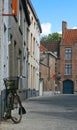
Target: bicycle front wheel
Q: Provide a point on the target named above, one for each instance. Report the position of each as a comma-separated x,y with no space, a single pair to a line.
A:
16,112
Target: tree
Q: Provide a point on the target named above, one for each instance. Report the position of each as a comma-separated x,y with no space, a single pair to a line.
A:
51,37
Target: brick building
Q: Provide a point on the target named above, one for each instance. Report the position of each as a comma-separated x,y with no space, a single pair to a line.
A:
68,59
47,70
52,46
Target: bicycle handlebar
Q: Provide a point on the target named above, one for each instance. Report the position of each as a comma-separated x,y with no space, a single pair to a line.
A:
22,76
14,78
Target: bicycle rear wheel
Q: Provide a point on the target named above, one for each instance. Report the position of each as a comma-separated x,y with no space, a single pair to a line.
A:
16,112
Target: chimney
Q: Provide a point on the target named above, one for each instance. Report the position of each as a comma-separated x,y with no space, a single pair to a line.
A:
64,27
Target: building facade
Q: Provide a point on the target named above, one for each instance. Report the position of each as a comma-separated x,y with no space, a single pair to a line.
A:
1,61
4,56
33,52
54,47
68,60
18,47
47,70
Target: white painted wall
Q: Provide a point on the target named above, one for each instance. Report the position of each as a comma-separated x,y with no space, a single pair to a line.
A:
33,58
3,44
25,51
1,48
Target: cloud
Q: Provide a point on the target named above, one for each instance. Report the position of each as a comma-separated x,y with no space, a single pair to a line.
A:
60,32
46,28
74,27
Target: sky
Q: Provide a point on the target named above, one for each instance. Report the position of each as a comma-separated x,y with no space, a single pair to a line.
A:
51,13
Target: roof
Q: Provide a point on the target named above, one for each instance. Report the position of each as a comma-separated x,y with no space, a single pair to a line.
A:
51,53
52,46
70,36
42,48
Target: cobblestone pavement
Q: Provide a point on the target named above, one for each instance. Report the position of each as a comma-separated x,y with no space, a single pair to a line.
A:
47,113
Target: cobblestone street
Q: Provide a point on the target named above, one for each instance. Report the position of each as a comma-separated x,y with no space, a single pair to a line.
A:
47,113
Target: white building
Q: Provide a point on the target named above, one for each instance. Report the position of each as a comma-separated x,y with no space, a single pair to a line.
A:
4,59
18,48
33,51
13,46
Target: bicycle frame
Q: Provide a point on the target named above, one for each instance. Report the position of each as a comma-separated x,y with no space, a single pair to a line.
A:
13,101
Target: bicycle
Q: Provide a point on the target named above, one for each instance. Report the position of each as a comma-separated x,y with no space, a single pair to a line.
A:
14,108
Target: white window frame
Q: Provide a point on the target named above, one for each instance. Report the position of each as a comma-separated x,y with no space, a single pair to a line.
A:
68,54
68,69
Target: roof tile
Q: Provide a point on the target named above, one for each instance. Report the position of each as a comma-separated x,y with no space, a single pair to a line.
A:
42,48
70,36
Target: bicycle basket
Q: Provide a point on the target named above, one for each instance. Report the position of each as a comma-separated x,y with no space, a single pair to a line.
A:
11,83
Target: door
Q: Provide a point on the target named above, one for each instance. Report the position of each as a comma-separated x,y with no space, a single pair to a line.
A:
68,87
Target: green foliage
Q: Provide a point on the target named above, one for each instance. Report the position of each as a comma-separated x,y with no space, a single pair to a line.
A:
51,37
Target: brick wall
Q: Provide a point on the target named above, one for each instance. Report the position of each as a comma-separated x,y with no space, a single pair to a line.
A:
47,70
68,35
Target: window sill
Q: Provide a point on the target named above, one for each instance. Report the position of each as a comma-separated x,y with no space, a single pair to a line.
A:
68,75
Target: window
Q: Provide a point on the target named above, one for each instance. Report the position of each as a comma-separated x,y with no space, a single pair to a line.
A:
68,69
76,68
31,43
32,20
33,46
76,50
20,19
34,25
68,54
56,53
76,85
